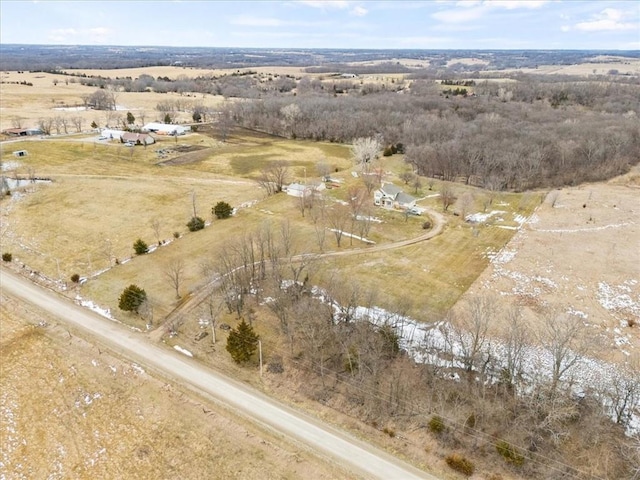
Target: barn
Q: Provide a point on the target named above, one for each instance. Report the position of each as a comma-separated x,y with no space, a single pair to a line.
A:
166,128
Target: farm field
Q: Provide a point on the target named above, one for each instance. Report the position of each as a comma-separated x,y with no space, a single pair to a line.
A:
578,253
103,197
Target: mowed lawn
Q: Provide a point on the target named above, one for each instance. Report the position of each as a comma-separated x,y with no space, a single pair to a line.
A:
103,198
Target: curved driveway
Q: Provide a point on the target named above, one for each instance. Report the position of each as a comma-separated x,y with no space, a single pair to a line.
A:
357,456
200,294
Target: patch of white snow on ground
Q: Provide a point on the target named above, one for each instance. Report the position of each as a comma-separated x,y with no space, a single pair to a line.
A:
105,312
439,344
482,217
370,219
183,350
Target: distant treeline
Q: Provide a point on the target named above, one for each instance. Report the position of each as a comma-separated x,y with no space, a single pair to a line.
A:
32,57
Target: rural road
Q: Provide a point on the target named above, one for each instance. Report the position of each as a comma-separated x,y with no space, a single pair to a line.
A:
356,456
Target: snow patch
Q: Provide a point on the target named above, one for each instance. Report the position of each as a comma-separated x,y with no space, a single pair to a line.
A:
183,350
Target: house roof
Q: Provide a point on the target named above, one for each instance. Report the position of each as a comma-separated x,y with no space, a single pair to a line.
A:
131,136
396,193
405,198
391,190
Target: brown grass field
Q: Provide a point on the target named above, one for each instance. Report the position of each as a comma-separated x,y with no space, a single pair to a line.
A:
70,410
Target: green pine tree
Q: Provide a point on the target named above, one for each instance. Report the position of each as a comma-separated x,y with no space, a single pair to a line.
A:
242,342
132,298
222,210
140,247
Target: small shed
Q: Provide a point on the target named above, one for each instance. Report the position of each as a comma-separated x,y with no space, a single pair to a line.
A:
20,153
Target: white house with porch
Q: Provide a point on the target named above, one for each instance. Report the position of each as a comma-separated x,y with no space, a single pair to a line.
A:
392,197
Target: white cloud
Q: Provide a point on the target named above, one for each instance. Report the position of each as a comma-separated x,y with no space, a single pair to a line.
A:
470,10
459,16
513,4
359,11
608,19
326,4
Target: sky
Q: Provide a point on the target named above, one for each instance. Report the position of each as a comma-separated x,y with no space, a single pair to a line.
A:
435,24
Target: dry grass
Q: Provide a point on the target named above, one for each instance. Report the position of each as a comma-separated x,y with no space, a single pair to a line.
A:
71,410
580,256
81,220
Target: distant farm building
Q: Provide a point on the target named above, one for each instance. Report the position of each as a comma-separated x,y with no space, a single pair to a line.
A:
22,132
166,128
20,153
112,134
137,138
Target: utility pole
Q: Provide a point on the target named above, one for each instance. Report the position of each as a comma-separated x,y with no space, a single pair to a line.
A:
260,354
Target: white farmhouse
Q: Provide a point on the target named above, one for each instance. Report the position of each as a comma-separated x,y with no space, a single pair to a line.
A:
391,197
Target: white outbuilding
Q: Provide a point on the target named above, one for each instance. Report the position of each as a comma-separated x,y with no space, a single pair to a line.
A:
166,128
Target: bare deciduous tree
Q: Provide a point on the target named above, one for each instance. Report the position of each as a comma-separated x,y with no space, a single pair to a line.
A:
563,336
174,272
274,177
337,219
447,196
155,226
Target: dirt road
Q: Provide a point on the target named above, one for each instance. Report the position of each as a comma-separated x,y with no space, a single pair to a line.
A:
348,451
199,295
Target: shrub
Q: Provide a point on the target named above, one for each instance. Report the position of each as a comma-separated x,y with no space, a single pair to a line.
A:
195,224
140,247
436,424
471,421
222,210
510,453
426,225
387,152
389,431
7,257
132,298
176,234
75,278
460,464
275,365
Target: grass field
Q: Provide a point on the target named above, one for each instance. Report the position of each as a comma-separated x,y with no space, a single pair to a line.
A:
71,410
105,196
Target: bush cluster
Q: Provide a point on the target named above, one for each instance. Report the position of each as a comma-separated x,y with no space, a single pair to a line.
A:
7,257
510,453
436,424
460,464
195,224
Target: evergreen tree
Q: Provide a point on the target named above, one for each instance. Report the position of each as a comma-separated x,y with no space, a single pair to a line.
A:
242,342
140,247
130,118
222,210
132,298
195,224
